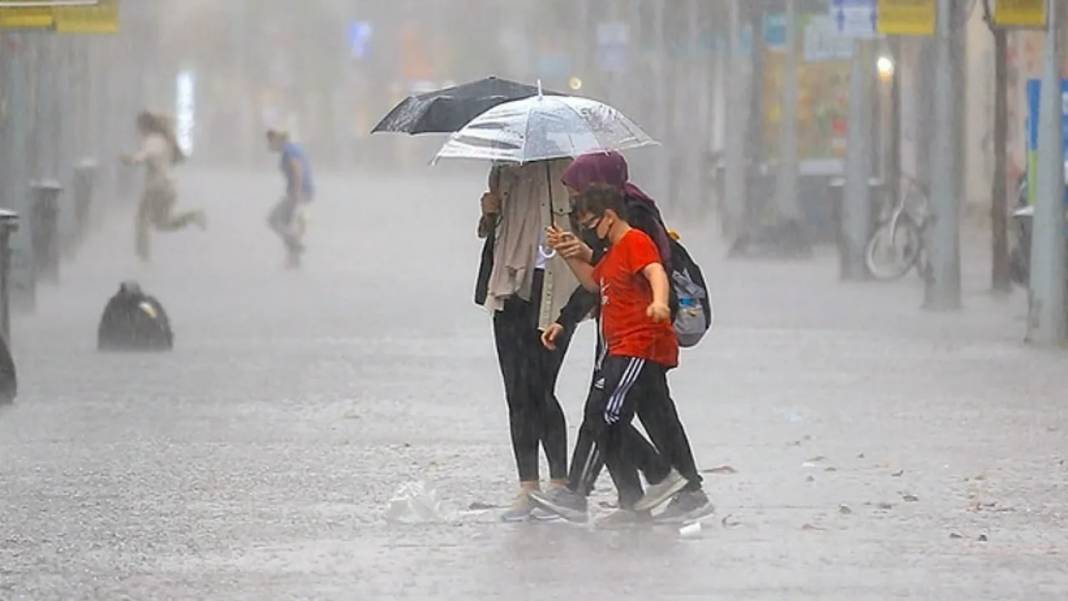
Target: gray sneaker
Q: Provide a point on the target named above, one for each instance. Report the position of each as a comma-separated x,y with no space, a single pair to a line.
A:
687,506
659,493
563,502
520,509
624,518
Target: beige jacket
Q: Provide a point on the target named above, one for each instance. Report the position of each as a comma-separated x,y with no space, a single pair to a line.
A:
532,198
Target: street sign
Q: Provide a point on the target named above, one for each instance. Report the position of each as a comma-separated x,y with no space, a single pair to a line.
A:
25,17
855,18
775,30
1034,95
612,40
103,17
360,35
64,16
822,41
1020,13
907,17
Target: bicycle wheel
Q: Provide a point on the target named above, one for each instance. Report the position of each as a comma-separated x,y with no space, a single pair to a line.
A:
890,256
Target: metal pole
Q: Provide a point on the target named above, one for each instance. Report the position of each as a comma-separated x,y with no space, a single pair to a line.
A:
942,291
1046,323
856,203
16,191
694,86
1000,279
737,109
789,208
661,117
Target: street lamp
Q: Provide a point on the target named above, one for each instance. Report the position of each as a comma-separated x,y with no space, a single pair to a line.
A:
885,66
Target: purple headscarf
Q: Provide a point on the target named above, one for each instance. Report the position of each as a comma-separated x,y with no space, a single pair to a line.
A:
611,168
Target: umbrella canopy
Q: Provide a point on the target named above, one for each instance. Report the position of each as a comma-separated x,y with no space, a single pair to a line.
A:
544,127
448,110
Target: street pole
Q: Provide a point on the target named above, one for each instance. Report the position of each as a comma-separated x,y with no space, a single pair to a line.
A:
660,94
788,204
943,291
856,202
697,138
735,184
1046,323
1000,279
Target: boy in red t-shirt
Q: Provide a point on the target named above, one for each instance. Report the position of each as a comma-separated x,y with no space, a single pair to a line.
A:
641,347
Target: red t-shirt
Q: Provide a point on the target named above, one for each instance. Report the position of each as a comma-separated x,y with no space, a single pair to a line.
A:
625,296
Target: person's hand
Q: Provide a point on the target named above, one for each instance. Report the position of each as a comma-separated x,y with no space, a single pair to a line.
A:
491,204
568,245
658,312
549,336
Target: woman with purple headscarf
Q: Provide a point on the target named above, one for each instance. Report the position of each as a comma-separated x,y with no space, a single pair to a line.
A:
660,466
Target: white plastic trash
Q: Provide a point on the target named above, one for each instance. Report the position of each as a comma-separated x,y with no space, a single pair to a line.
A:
691,530
415,503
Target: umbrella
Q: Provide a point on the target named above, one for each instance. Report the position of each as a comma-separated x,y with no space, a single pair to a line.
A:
544,127
448,110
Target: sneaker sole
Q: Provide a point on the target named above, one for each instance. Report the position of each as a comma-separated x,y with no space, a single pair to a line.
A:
542,515
515,519
637,522
648,503
688,518
565,512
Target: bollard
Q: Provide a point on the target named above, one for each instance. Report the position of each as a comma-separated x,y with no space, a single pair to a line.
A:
44,226
9,223
82,189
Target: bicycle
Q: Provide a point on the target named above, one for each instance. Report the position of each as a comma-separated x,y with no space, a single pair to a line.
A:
897,245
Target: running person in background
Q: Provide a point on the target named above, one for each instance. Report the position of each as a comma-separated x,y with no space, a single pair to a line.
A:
158,153
288,218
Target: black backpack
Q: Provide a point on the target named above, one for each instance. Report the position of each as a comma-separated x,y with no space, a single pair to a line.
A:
134,321
691,307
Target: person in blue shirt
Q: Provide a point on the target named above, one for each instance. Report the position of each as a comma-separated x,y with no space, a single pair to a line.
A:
287,218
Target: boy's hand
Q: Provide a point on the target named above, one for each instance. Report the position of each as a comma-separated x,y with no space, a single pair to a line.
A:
491,204
568,245
658,312
549,336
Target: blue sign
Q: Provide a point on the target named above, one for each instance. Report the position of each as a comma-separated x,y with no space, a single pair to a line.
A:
775,30
1034,96
360,33
855,18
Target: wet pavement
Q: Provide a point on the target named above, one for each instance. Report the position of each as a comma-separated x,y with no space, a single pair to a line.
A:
878,451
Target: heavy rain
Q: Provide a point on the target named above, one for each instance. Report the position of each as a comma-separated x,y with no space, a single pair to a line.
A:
533,299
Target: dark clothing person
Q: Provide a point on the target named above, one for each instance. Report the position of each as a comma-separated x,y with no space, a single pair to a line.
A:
134,321
642,214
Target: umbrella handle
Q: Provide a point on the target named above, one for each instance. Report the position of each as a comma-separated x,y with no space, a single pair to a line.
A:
549,182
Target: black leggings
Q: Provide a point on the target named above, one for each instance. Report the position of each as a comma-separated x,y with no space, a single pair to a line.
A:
529,371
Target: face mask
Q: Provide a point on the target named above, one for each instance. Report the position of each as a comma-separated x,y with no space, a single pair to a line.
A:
589,237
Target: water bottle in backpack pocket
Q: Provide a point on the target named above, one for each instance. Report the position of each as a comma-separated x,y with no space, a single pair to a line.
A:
693,314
